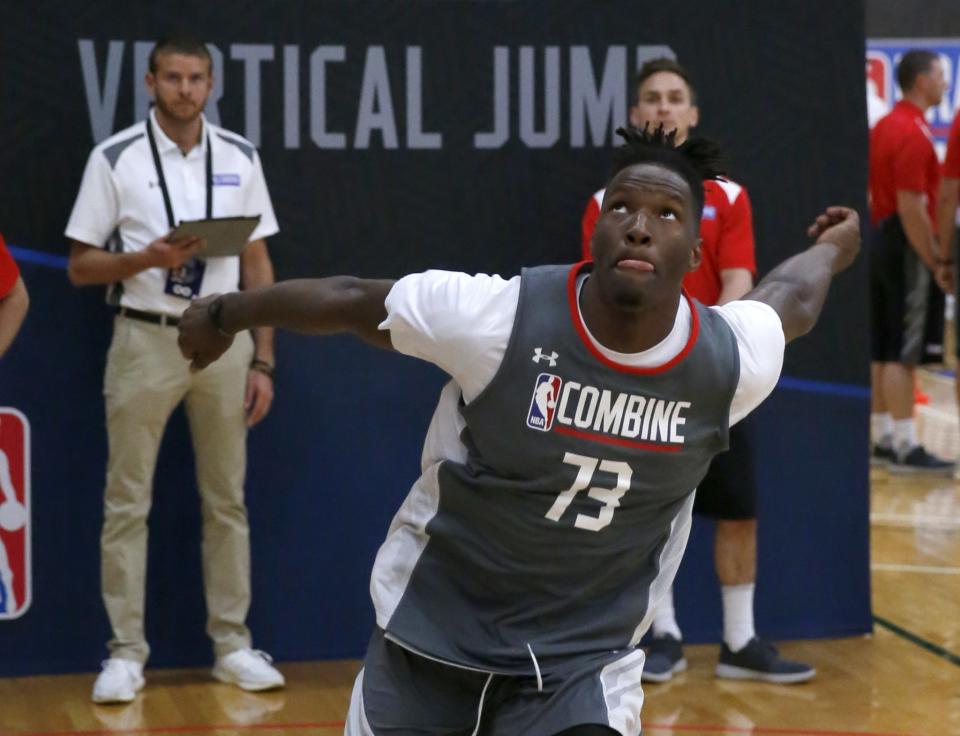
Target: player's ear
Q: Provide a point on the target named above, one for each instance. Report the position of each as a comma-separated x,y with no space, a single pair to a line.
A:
695,255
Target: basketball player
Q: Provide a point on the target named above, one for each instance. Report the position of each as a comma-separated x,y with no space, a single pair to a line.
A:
521,571
728,492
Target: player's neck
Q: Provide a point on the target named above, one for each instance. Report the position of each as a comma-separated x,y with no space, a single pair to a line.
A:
628,329
185,133
917,98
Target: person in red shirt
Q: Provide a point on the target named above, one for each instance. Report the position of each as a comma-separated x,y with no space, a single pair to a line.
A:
907,308
728,494
950,194
14,300
947,211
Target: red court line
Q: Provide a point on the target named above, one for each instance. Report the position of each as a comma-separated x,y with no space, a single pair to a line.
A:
677,728
714,728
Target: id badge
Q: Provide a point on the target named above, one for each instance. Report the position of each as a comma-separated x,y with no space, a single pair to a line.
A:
185,282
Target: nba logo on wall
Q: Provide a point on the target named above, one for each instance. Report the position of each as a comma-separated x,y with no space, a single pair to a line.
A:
15,577
879,77
543,405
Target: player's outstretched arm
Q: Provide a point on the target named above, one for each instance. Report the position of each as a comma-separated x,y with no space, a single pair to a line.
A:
797,288
313,306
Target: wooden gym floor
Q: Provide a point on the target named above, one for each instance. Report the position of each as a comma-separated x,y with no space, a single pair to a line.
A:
904,680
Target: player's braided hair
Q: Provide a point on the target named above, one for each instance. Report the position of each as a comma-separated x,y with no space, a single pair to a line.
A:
695,159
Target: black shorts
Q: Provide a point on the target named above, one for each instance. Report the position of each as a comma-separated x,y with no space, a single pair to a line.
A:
398,692
906,321
729,490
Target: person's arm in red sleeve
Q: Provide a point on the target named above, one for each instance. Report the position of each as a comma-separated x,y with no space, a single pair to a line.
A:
587,225
949,195
9,273
14,299
736,257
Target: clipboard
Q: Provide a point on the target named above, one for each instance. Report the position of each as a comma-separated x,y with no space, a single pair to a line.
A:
225,236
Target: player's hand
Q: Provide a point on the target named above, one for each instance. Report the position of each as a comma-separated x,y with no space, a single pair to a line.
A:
944,275
259,396
200,341
164,253
839,226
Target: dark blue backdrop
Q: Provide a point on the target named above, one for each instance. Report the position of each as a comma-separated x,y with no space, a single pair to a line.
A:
331,463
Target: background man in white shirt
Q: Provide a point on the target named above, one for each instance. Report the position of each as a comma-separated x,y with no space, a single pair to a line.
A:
137,186
502,595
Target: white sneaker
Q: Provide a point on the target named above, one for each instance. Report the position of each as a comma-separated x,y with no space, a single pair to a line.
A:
250,669
119,682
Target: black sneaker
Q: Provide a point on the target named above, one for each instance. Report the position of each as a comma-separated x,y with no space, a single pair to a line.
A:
664,659
760,660
919,461
881,456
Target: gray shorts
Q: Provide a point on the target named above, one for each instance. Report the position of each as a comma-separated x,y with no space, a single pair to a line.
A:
400,693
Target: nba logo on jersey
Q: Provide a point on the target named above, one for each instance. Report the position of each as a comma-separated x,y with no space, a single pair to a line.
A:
709,212
15,576
543,405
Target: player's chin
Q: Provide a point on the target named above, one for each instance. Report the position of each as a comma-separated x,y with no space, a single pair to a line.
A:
631,296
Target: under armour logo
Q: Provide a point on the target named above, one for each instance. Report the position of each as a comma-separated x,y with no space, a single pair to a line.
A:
539,355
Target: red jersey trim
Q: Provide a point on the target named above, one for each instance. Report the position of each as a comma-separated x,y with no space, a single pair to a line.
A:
594,437
585,338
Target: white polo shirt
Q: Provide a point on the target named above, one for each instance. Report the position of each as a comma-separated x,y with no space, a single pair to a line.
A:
120,201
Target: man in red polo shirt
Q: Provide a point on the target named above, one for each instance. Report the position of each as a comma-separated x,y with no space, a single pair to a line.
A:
728,494
13,298
905,259
947,212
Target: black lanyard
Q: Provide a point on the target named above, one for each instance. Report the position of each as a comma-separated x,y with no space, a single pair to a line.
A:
163,182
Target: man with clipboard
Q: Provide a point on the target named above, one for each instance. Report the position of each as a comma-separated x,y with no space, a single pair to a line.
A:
138,186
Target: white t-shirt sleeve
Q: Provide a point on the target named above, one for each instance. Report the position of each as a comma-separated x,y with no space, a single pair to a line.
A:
96,210
258,202
760,342
459,322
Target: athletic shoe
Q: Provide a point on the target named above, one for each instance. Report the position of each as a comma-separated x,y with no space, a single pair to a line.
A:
249,669
119,681
918,461
881,456
664,659
760,660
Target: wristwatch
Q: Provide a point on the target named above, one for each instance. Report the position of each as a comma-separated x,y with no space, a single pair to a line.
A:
214,313
262,366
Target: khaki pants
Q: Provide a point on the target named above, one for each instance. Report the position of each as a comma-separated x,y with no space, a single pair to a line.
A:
146,377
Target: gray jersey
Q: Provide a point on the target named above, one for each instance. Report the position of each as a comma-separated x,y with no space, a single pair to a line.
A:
564,512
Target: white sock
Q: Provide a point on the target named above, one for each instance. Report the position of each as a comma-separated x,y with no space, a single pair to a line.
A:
665,618
881,429
738,615
904,436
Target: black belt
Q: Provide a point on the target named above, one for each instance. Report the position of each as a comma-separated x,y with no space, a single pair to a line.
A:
152,317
